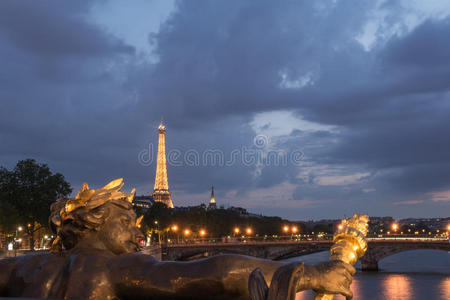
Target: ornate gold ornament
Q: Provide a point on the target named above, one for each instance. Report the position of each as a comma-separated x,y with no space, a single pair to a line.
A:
349,243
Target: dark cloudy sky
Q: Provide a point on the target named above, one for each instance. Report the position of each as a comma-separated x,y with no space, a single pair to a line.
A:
354,96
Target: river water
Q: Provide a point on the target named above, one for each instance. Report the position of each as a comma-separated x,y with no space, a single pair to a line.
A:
411,275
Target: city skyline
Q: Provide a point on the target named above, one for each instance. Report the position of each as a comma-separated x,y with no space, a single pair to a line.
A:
305,109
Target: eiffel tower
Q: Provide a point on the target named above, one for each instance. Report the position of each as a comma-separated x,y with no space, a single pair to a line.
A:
161,191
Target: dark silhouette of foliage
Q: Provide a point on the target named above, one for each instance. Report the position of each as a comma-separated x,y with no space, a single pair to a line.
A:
217,223
26,193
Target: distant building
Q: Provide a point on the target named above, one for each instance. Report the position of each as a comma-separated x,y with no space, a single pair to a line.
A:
144,202
241,211
212,201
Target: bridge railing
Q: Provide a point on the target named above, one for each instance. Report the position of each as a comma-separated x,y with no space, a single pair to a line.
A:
327,239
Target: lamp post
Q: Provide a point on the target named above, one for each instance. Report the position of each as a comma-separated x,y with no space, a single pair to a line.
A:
174,228
202,233
294,230
395,227
16,241
236,231
159,234
249,231
186,232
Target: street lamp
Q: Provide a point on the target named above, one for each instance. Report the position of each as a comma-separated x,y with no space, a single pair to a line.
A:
20,228
340,227
294,229
174,228
395,226
237,230
159,233
202,232
249,231
286,229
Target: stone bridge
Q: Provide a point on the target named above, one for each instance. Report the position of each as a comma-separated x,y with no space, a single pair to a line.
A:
377,250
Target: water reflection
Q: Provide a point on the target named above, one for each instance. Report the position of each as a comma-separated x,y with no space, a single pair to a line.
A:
445,288
397,286
414,275
385,286
355,287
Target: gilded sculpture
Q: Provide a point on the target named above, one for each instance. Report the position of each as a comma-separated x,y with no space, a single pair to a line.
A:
96,256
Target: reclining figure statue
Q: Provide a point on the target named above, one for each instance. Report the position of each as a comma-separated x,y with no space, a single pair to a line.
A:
94,256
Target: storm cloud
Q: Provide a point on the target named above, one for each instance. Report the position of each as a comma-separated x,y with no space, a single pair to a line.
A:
356,87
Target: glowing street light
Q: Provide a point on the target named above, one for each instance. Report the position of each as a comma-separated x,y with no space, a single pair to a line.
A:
187,232
202,232
237,230
249,230
20,228
395,226
174,228
340,226
286,228
294,229
448,227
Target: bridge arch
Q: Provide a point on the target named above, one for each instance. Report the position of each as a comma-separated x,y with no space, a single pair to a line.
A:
428,258
369,262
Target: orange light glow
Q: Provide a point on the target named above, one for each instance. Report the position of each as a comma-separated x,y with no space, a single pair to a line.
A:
237,230
395,226
202,232
174,228
294,229
187,232
286,228
340,227
249,230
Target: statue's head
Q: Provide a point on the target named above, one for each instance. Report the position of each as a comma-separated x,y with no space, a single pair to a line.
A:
105,216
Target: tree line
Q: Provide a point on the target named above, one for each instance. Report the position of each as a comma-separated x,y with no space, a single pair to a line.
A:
216,223
26,193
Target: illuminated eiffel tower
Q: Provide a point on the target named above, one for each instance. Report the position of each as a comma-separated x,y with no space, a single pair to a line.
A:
161,191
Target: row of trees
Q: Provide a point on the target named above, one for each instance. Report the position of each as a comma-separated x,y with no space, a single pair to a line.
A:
26,193
217,223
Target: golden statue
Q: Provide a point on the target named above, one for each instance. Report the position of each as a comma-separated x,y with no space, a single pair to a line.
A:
349,244
94,256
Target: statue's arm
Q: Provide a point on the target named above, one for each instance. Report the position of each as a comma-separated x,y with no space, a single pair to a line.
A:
6,267
142,275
